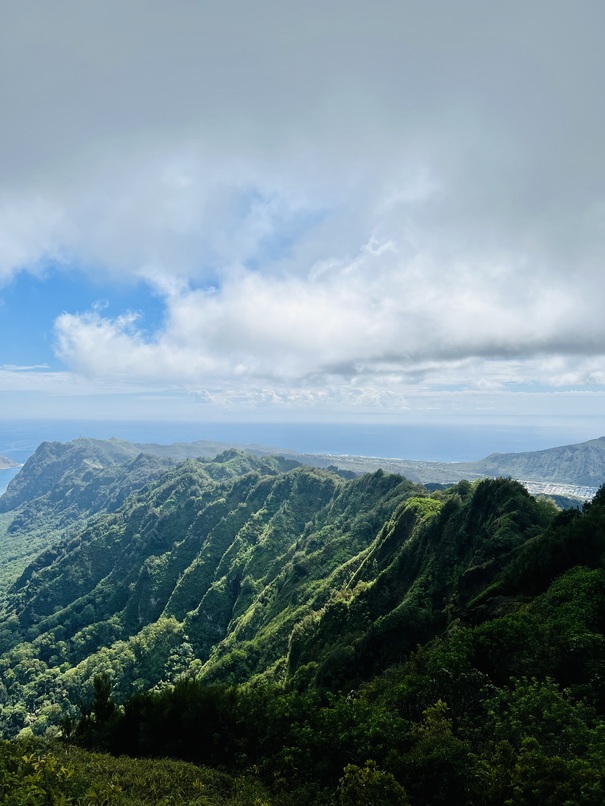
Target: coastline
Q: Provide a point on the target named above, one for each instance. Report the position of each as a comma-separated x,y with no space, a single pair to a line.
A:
7,474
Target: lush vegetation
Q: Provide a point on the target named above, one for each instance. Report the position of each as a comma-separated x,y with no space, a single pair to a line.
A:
35,773
313,638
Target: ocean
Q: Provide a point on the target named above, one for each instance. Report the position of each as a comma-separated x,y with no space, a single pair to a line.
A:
431,442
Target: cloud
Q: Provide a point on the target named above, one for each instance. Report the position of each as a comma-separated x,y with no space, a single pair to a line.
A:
376,317
379,196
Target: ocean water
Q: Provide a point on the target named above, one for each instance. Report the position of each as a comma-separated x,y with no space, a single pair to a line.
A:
5,477
431,442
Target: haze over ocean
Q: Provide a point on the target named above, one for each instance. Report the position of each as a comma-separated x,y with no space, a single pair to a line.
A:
434,442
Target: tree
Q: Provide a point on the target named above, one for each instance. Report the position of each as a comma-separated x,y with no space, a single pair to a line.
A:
370,786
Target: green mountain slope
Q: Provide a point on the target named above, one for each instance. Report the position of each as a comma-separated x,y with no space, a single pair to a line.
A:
52,461
63,484
332,635
224,556
238,568
54,492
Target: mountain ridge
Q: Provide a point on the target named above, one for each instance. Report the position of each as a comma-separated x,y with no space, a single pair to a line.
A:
240,558
578,464
330,635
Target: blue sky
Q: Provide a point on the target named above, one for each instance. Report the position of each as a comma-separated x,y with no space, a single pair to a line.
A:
290,213
30,305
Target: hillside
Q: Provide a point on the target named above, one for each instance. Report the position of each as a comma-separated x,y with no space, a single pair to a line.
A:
53,460
581,464
208,552
572,466
326,634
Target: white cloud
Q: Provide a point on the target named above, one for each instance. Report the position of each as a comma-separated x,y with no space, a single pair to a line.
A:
360,200
375,317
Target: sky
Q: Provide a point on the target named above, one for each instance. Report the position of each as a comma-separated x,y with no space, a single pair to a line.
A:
389,211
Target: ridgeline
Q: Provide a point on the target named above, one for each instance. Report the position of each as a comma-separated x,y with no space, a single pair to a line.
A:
312,635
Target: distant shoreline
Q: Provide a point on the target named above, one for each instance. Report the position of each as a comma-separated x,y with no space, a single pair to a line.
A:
427,442
7,474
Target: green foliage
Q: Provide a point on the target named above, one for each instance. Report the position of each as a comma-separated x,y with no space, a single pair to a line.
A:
541,711
324,638
369,786
34,773
29,776
424,507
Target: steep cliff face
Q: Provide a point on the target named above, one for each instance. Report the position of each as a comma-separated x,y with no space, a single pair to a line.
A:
211,544
52,461
223,557
91,465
